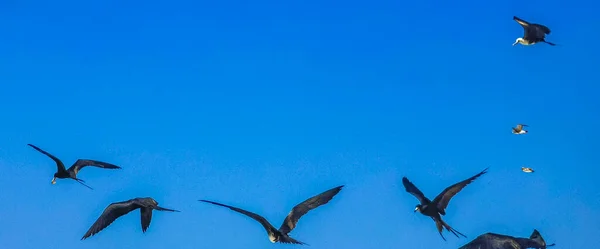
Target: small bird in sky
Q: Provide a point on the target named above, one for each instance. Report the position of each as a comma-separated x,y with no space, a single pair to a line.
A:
534,33
118,209
438,206
519,129
281,235
63,172
527,170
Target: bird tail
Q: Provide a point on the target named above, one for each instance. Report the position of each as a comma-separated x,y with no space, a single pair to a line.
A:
82,183
449,228
550,43
286,239
165,209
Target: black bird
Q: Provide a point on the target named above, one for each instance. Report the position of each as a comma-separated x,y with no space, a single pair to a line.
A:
499,241
534,33
438,206
62,172
118,209
292,218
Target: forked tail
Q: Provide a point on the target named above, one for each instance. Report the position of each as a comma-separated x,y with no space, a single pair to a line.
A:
550,43
82,183
449,228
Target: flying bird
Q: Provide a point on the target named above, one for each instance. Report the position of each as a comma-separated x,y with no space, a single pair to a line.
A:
527,170
499,241
118,209
534,33
519,129
438,206
72,171
281,235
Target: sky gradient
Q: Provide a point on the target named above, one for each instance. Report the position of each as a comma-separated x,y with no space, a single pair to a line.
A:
262,104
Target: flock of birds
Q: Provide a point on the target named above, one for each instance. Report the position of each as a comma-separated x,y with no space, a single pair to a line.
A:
534,33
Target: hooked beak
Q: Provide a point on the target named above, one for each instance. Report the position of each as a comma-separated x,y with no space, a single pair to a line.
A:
416,209
53,180
515,43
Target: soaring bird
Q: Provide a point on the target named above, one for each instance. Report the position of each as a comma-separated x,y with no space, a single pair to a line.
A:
534,33
527,170
438,206
519,129
281,235
72,171
499,241
118,209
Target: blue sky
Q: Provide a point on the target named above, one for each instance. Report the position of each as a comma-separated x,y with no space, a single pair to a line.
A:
262,104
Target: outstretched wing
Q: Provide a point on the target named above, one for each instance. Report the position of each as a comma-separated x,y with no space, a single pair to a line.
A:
413,190
110,214
542,29
81,163
254,216
523,23
146,214
59,164
301,209
442,200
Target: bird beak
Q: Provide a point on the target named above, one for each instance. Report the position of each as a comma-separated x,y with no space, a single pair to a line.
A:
53,180
515,43
416,209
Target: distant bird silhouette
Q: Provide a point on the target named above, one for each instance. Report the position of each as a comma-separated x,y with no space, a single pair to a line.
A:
292,218
438,206
527,170
534,33
519,129
62,172
118,209
499,241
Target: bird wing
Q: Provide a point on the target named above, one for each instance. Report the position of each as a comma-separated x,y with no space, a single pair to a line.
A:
412,189
254,216
146,214
301,209
442,200
59,164
542,28
110,214
81,163
523,23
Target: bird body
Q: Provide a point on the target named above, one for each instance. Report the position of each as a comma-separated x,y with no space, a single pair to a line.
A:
281,235
527,170
62,172
118,209
519,129
499,241
534,33
437,207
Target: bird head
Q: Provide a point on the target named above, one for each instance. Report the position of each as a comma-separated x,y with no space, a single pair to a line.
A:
519,40
418,208
273,238
53,180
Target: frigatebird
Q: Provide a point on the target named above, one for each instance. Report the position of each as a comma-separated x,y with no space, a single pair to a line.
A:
534,33
519,129
72,171
281,235
500,241
118,209
527,170
438,206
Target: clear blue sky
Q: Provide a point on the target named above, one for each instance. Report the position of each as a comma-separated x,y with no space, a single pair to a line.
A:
262,104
